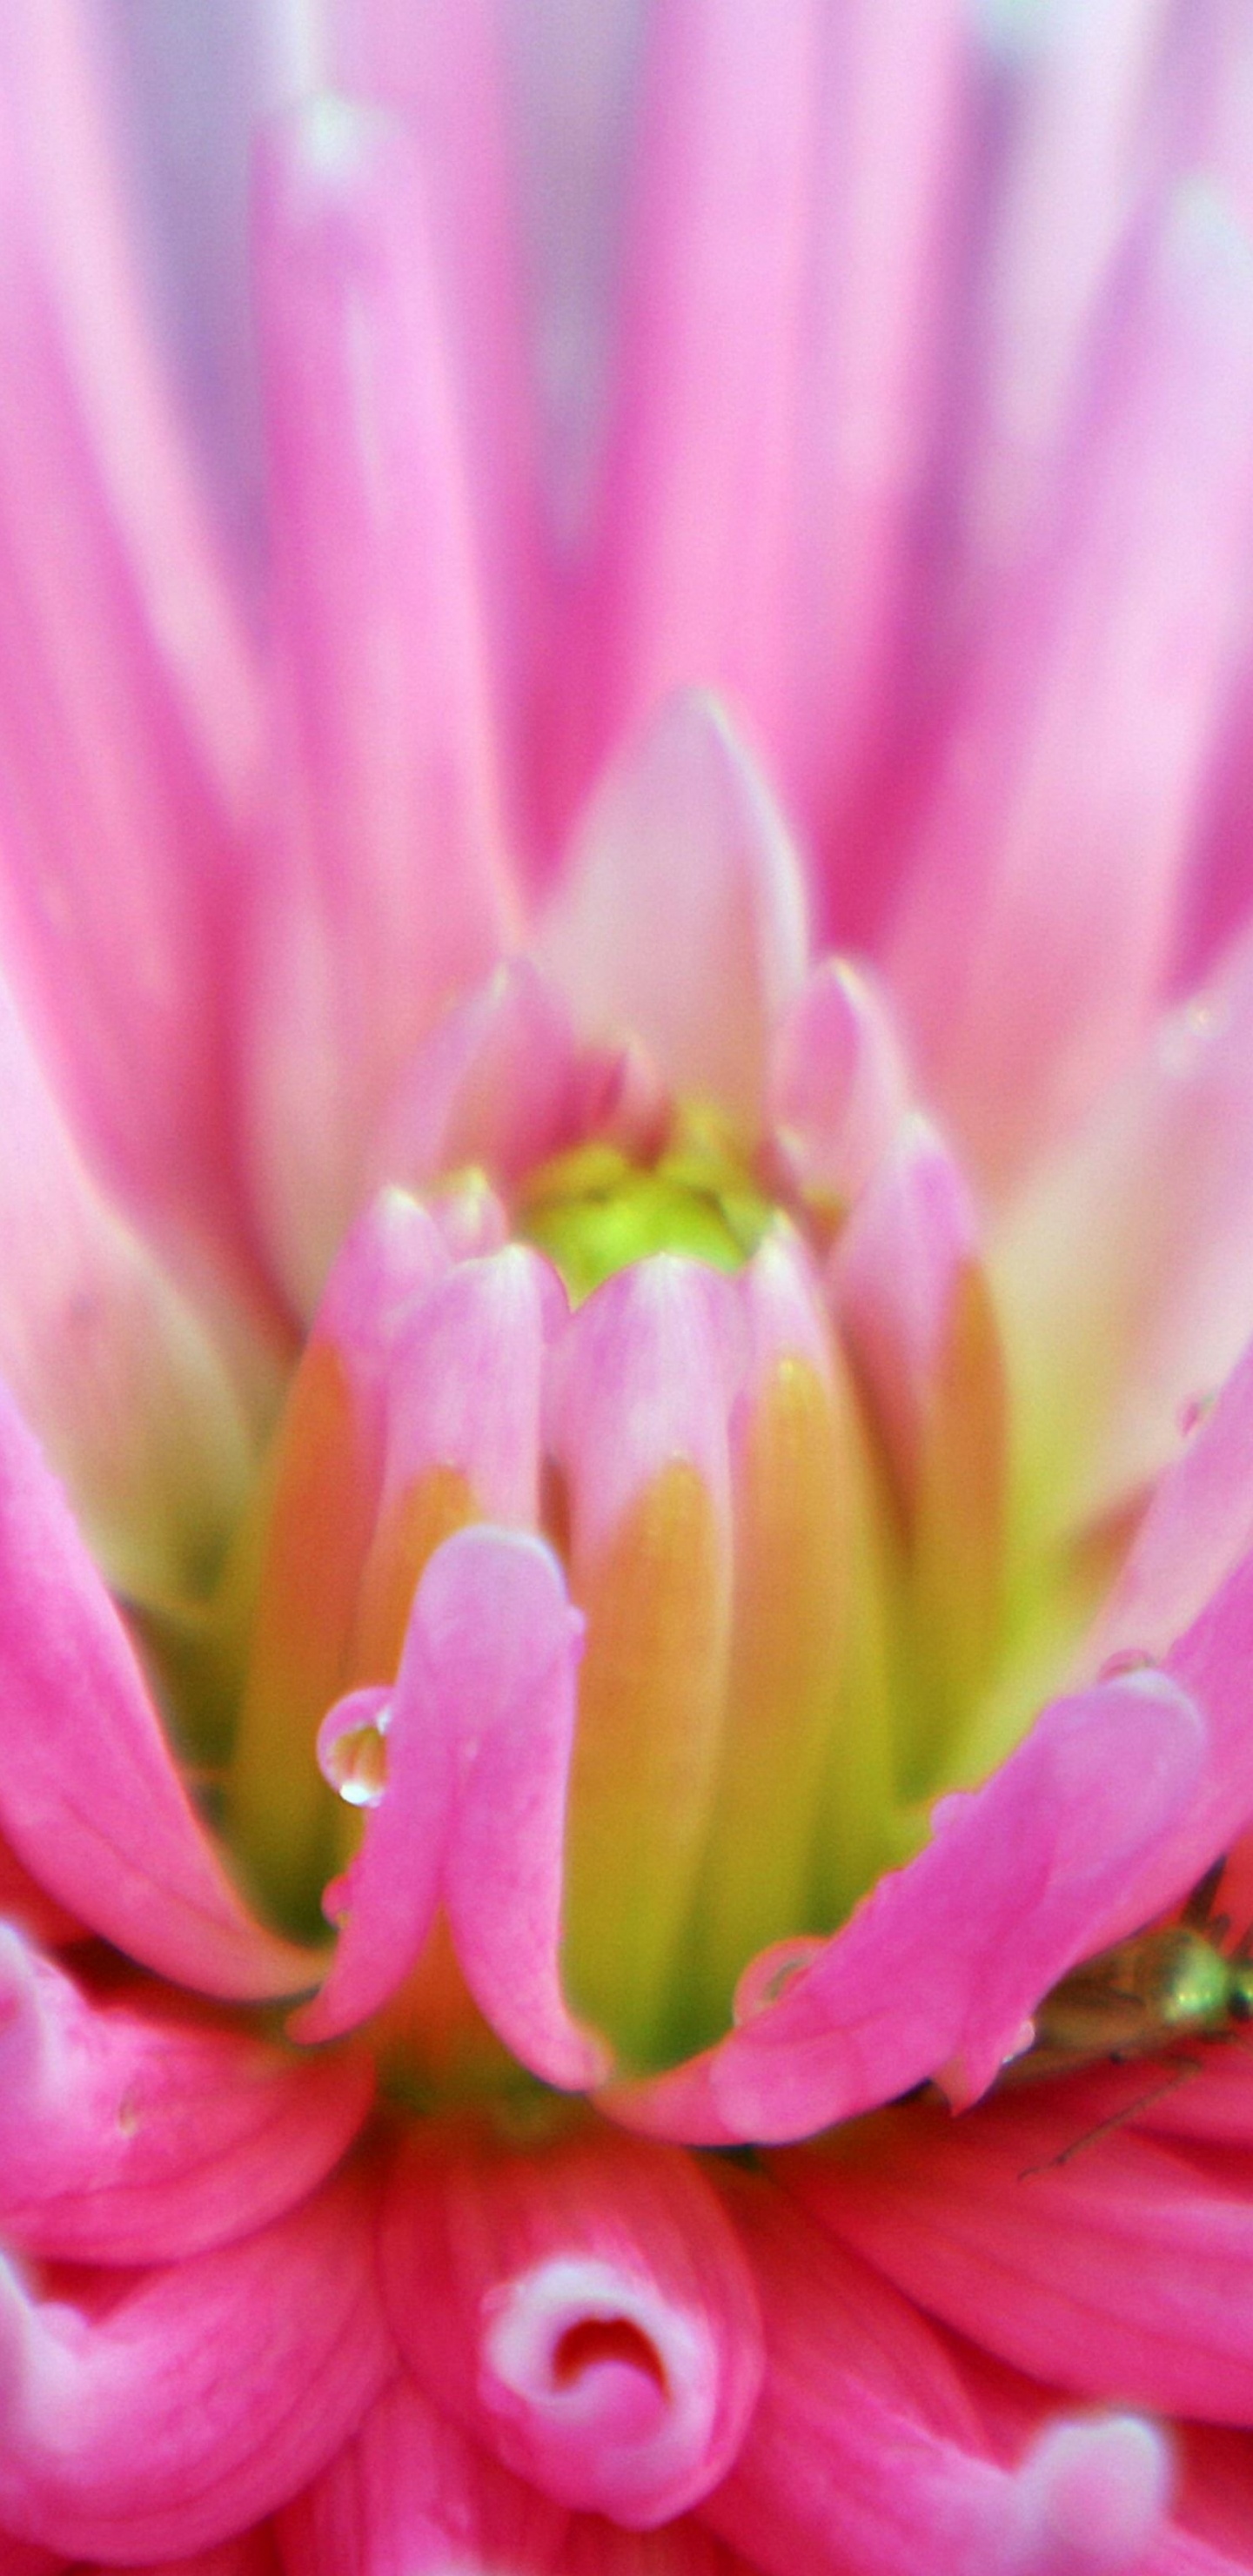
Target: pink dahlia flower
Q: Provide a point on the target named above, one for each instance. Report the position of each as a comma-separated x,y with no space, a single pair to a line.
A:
626,1488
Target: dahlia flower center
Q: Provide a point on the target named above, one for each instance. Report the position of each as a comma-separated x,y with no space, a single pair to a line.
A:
593,1210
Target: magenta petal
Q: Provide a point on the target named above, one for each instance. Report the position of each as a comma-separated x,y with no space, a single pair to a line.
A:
129,2137
1129,2266
89,1795
584,2309
411,2492
703,999
204,2397
397,895
940,1966
465,1383
514,1699
1197,1527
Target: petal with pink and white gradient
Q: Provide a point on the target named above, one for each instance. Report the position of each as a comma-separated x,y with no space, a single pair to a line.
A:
200,2400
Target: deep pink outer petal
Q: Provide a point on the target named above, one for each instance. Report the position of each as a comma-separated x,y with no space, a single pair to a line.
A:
135,2136
409,2495
941,1965
207,2395
89,1795
1128,2266
253,2554
866,2451
583,2308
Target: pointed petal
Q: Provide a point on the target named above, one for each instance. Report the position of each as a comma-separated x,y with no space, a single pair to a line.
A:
1160,1192
89,1795
493,1084
134,2138
1197,1528
704,998
837,1087
388,893
112,1369
1035,928
697,494
1123,2267
585,2311
895,1272
941,1965
204,2397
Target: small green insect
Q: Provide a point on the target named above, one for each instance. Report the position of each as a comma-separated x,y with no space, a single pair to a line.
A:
1139,1999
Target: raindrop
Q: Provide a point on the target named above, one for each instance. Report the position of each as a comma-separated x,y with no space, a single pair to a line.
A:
356,1766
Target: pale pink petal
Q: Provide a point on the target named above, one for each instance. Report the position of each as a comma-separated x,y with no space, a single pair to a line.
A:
1159,1190
112,1368
1036,923
639,1379
894,112
133,2137
940,1966
866,2452
409,2495
130,703
494,1084
1126,2266
697,495
387,893
1083,88
895,1273
697,960
203,2398
444,68
837,1085
1197,1528
585,2311
90,1798
466,1381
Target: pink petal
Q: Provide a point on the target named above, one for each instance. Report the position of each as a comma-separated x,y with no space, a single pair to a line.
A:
131,704
204,2397
1160,1190
133,2137
893,118
837,1085
112,1368
253,2554
1035,928
515,1710
89,1795
1197,1528
466,1383
1125,2267
941,1965
697,493
478,1732
703,998
410,2492
493,1084
585,2311
640,1377
444,68
865,2451
390,892
895,1274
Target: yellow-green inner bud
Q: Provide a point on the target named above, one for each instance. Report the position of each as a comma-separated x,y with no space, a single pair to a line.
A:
594,1211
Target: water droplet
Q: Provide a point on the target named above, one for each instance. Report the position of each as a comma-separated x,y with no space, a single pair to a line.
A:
1193,1413
767,1978
356,1766
1127,1659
